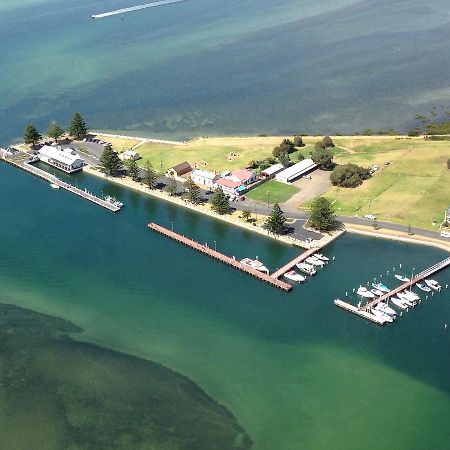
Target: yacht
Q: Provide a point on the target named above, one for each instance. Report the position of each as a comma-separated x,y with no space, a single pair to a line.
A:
423,287
307,268
322,257
314,261
397,302
294,276
112,201
54,186
363,292
386,309
411,295
255,264
381,287
382,315
406,300
377,292
401,277
433,285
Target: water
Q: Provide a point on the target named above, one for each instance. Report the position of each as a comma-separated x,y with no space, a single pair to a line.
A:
296,371
206,67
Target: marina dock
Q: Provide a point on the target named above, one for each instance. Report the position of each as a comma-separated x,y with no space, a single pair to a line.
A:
231,261
23,161
291,264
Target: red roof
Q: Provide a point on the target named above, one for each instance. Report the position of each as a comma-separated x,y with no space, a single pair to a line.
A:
228,183
242,174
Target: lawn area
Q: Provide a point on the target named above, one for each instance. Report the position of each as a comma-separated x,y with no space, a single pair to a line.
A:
119,144
278,192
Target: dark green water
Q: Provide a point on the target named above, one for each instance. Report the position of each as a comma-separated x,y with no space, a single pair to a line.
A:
294,370
223,67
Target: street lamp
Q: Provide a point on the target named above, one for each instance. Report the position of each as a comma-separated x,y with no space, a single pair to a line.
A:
412,278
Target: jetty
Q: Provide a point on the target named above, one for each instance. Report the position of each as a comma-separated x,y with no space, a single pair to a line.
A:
231,261
135,8
291,264
23,161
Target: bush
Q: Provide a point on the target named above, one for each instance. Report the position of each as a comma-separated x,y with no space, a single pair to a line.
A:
323,157
349,175
327,142
298,141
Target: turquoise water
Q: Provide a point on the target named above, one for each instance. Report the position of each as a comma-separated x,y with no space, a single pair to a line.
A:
214,67
296,371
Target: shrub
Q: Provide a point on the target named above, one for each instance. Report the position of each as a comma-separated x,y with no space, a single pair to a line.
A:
349,175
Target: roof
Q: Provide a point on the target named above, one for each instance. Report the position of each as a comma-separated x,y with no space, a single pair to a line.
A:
242,174
273,169
65,156
130,153
228,183
297,169
182,166
204,174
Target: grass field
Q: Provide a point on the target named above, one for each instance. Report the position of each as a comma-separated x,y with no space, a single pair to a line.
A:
278,192
119,144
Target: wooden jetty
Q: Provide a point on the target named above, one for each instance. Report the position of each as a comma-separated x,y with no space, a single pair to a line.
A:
220,257
22,160
359,312
291,264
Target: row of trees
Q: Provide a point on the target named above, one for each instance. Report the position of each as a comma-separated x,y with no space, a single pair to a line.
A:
77,129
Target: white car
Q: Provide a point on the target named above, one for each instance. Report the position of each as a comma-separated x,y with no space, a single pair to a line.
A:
370,217
445,234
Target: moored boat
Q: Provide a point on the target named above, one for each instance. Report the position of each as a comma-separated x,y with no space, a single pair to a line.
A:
255,264
112,201
401,277
294,276
322,257
377,292
406,300
314,261
306,268
382,315
54,186
397,302
433,284
386,309
381,287
363,292
423,287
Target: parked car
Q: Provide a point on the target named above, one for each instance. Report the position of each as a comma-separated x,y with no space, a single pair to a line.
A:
370,217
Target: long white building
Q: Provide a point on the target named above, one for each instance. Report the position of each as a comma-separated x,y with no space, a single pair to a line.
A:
63,159
297,170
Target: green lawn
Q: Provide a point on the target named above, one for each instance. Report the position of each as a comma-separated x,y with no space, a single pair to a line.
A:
278,192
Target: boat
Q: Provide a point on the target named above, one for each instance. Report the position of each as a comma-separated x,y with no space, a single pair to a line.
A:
381,287
382,315
55,186
433,284
401,277
307,268
411,295
377,292
397,302
322,257
294,276
406,300
314,261
254,264
423,287
386,309
112,201
363,292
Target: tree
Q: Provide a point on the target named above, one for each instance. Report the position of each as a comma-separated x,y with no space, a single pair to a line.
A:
110,162
327,142
277,151
246,215
287,146
414,132
192,191
31,135
55,131
300,157
220,203
171,187
133,170
349,175
410,231
284,159
149,175
298,141
323,157
321,215
78,126
276,222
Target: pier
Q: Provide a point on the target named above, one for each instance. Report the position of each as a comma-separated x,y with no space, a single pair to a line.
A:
134,8
22,160
231,261
291,264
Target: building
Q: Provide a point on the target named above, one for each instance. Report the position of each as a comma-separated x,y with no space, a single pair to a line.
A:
204,178
271,171
129,154
228,186
243,176
180,169
64,159
297,170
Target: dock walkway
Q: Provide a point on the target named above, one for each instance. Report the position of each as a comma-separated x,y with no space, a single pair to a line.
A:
220,257
291,264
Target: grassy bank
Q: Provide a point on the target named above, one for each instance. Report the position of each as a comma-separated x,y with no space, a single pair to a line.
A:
272,192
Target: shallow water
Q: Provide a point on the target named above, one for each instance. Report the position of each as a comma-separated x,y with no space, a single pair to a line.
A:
296,371
212,67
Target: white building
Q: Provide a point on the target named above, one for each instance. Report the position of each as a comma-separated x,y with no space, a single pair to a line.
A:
204,177
129,154
297,170
243,176
64,159
229,187
271,171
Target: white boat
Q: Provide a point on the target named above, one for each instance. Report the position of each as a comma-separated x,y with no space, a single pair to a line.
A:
322,257
423,287
401,277
433,284
397,302
54,186
406,300
255,264
377,292
307,268
382,315
381,287
314,261
411,295
363,292
386,309
112,201
294,276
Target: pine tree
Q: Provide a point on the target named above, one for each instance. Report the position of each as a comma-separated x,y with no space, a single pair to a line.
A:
55,131
321,215
31,135
276,222
220,202
133,170
110,162
192,191
78,126
171,187
150,176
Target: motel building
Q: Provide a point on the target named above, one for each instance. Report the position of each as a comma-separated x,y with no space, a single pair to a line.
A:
228,186
63,159
204,178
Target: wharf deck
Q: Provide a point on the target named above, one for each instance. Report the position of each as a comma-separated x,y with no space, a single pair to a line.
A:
287,267
359,312
220,257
